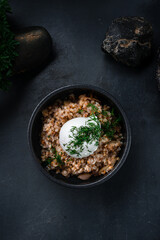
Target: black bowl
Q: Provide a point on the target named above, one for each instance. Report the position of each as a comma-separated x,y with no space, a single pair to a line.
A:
35,125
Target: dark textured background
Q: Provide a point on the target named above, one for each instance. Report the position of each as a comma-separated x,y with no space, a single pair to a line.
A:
125,207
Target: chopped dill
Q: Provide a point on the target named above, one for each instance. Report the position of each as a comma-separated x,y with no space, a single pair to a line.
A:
80,111
117,120
56,156
108,128
112,112
69,159
53,150
74,152
59,160
94,109
47,162
104,113
84,134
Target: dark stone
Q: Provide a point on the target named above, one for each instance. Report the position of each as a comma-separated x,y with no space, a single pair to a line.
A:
158,71
34,49
129,40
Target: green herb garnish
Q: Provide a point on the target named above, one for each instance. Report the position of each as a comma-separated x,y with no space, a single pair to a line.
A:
73,151
108,128
117,120
56,157
84,134
53,150
94,109
112,112
80,111
59,160
47,162
69,159
8,45
104,113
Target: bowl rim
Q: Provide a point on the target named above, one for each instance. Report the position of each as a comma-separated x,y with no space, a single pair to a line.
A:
115,102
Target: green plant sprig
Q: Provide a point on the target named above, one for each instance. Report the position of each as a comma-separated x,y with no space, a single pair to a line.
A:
109,128
56,157
94,109
89,133
79,111
8,45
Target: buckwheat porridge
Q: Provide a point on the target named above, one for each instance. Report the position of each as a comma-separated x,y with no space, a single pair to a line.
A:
81,137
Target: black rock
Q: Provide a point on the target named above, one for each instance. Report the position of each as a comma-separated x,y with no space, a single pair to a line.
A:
34,49
158,71
129,40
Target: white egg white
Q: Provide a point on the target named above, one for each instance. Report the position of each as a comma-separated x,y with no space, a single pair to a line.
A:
66,134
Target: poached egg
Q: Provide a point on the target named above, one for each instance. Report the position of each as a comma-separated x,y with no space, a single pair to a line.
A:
66,135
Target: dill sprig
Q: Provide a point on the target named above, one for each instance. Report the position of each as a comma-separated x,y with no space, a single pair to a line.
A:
79,111
109,128
104,113
47,161
56,157
7,46
84,134
94,109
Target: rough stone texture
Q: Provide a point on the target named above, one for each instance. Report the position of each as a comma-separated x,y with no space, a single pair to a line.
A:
34,49
129,40
158,70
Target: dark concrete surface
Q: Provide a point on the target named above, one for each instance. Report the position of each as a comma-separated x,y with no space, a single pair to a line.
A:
127,207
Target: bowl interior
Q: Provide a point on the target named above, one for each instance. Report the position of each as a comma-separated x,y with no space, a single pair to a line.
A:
35,127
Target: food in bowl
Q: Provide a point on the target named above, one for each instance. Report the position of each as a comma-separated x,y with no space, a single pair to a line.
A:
80,137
